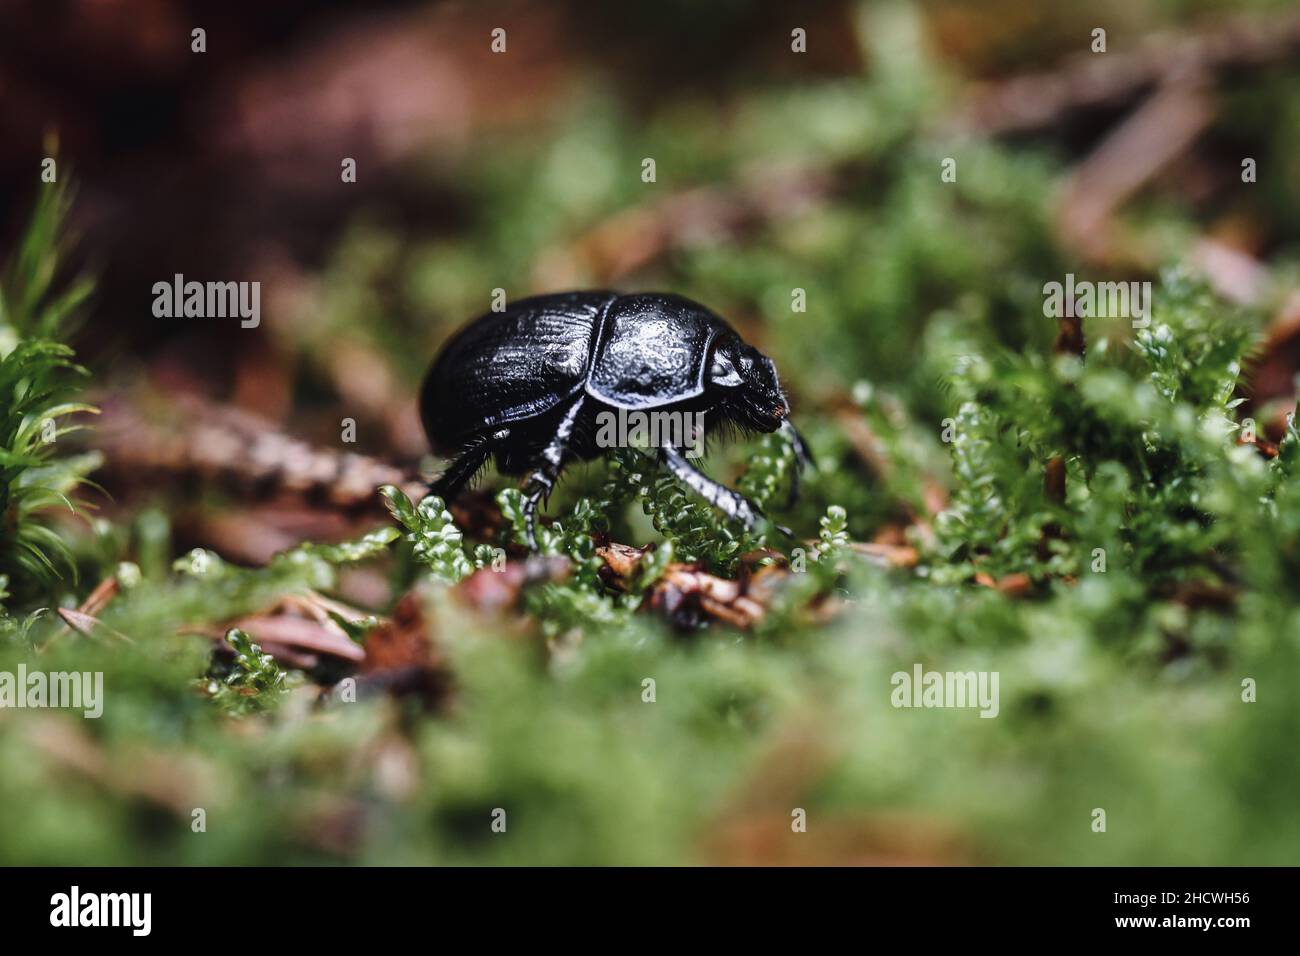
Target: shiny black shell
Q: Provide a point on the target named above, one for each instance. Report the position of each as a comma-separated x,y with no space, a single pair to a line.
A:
627,351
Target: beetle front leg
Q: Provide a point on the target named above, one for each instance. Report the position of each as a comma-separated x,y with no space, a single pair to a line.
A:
802,458
542,480
462,471
731,503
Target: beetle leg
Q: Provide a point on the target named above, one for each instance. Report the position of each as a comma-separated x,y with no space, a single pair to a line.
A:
802,457
731,503
538,485
463,469
544,476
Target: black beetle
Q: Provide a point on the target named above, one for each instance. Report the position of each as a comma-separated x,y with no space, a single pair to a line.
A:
527,385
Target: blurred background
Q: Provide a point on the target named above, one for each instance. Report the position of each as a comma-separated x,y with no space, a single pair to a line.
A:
776,170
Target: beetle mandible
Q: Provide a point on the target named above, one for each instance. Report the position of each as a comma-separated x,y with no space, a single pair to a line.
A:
527,385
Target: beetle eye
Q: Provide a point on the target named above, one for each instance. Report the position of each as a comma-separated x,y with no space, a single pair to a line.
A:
723,372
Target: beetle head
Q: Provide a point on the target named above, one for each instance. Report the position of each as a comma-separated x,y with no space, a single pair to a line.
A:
746,381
